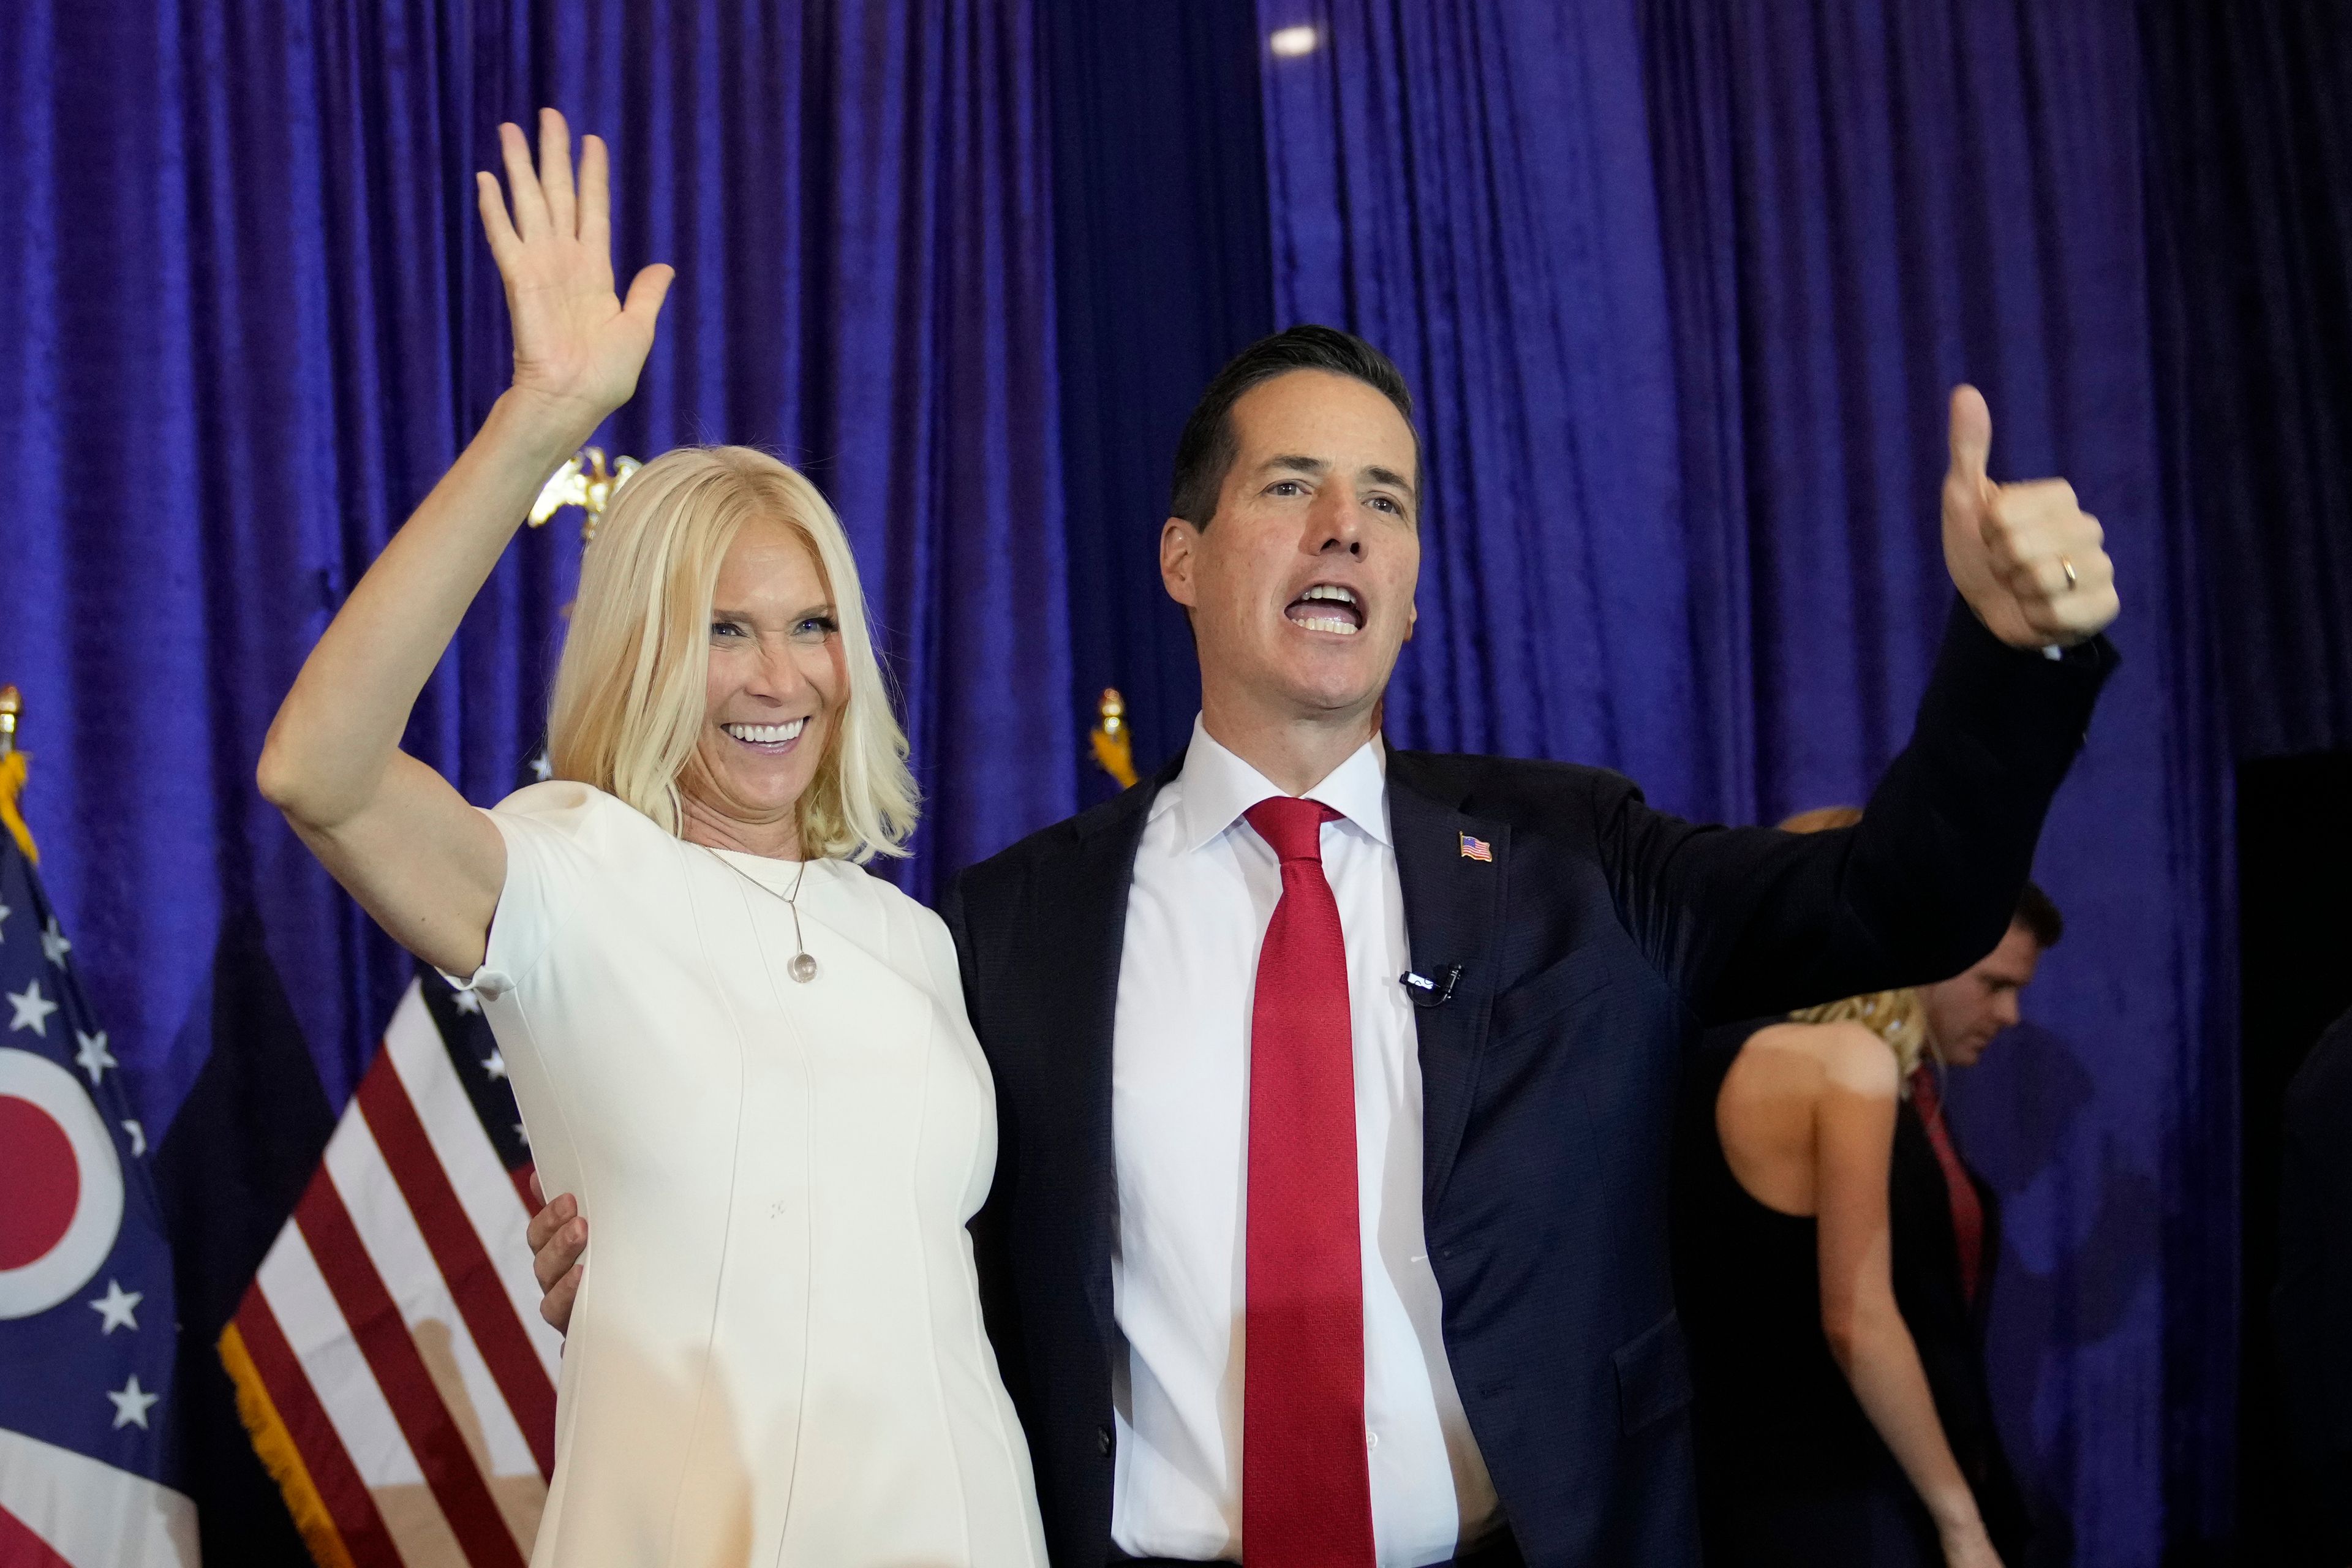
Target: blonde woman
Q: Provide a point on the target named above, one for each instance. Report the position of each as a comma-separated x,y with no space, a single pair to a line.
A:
746,1057
1819,1441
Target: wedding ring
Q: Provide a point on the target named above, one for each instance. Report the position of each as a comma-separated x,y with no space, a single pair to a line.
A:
2068,567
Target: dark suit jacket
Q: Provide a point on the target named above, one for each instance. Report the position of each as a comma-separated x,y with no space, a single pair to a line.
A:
1592,947
1948,1331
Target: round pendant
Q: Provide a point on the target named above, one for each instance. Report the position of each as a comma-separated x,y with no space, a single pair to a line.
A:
803,968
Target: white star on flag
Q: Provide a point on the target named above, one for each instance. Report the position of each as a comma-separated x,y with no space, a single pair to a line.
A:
541,767
131,1405
467,1002
138,1138
495,1063
54,945
33,1010
5,912
93,1057
116,1306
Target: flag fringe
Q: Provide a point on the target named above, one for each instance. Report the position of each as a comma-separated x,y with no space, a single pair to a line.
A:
12,783
280,1456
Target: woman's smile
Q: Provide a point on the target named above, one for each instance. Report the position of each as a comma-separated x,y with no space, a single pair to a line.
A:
768,740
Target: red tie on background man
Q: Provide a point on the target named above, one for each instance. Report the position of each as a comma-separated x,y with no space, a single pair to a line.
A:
1306,1492
1968,1211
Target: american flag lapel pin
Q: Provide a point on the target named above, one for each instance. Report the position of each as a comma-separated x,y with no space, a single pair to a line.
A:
1478,850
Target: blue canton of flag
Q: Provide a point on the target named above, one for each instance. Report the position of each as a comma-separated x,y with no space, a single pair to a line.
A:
88,1467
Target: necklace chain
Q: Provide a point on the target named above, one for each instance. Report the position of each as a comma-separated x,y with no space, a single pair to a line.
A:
803,967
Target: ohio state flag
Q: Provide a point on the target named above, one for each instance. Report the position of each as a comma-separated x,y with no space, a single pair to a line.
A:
87,1340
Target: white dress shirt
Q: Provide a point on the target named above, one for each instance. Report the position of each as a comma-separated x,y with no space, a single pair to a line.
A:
1205,886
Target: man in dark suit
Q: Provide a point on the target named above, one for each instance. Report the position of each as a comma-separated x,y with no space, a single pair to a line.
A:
1946,1219
1334,1083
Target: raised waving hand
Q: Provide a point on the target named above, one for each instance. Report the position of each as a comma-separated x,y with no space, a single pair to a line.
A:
426,864
576,342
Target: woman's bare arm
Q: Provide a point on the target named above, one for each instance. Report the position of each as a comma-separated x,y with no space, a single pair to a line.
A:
424,863
1854,1140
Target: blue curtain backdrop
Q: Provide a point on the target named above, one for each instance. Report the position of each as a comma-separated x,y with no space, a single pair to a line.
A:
1470,188
253,321
1680,284
2250,128
1683,287
1161,276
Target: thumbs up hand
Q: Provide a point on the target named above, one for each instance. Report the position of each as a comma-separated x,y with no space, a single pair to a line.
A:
2026,557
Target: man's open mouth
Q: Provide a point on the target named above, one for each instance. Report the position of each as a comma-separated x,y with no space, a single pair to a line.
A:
1328,607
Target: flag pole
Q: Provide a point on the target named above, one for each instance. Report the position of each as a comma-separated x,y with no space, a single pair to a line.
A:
1114,745
12,773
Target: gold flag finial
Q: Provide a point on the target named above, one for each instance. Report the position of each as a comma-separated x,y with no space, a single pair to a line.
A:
1114,744
584,483
12,773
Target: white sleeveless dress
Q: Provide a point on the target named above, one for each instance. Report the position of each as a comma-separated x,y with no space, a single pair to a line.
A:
776,1356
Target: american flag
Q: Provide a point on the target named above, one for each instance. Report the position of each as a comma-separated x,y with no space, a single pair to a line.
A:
87,1468
1477,849
390,1360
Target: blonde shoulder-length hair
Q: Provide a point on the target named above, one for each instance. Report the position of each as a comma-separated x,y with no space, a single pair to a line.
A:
1895,1016
629,693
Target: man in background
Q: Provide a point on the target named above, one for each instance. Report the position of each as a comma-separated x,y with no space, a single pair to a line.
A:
1947,1220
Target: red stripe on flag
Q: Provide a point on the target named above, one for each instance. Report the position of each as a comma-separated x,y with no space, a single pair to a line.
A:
521,1177
399,1368
20,1548
457,1250
349,1502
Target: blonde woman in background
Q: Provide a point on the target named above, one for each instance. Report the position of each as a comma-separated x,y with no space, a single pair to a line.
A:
747,1057
1818,1438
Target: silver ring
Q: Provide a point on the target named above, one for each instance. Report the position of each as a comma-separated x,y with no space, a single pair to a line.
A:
2068,567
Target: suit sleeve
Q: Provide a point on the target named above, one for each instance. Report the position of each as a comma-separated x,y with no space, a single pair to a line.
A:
990,1239
1750,921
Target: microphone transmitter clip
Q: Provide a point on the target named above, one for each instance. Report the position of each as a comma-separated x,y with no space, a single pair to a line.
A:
1426,992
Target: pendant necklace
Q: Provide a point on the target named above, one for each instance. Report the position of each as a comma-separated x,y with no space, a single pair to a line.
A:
803,968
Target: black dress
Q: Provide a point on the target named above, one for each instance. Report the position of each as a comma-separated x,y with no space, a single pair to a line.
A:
1791,1473
1949,1327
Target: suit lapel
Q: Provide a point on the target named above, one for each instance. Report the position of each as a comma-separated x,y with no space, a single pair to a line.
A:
1089,910
1452,912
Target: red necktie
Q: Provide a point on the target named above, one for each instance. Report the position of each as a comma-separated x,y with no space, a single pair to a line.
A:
1968,1213
1306,1495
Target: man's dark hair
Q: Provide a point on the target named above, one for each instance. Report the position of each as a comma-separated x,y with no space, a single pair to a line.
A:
1205,452
2037,914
